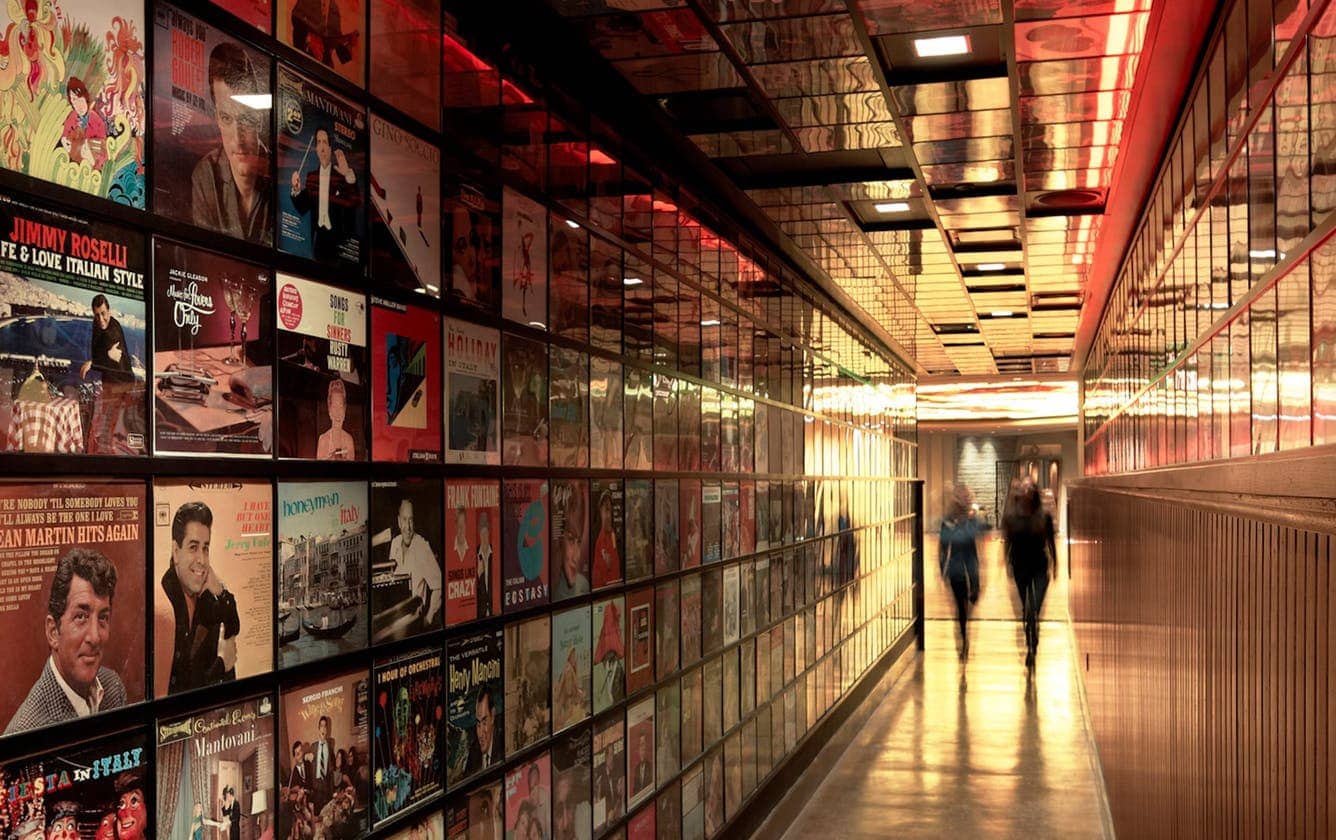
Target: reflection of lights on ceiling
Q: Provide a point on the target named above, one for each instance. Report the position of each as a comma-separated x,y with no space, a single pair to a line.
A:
710,322
574,225
1002,313
990,266
891,207
539,324
983,172
632,281
1077,259
254,101
942,46
1267,254
1018,399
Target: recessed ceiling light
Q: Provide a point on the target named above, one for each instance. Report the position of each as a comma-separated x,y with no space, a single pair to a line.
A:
1268,254
891,207
1002,313
572,224
990,266
941,46
710,322
254,101
632,281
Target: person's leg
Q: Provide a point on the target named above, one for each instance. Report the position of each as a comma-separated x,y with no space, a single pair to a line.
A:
1040,589
960,589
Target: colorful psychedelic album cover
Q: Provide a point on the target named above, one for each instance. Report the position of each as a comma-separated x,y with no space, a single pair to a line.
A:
476,726
324,761
322,371
473,391
523,259
609,772
72,335
475,243
322,171
529,799
212,582
212,120
407,597
99,789
405,220
71,553
607,524
472,550
572,794
569,407
77,88
408,732
572,651
322,551
332,32
255,12
405,394
213,369
524,564
570,538
524,406
609,653
478,814
215,772
528,682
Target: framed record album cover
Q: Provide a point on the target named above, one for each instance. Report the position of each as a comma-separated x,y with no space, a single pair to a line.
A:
407,598
524,406
331,32
322,371
322,172
568,288
607,524
322,562
528,682
428,826
474,215
325,733
524,561
668,727
640,532
405,212
257,13
640,639
472,550
406,60
569,407
691,618
74,791
212,129
72,374
572,768
692,732
473,388
529,798
476,727
408,725
572,650
668,812
84,564
213,582
213,351
605,414
570,538
666,536
638,412
209,770
523,259
609,653
477,813
609,772
692,533
405,391
640,750
666,654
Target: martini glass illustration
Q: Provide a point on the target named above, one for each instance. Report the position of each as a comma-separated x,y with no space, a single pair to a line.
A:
247,295
231,291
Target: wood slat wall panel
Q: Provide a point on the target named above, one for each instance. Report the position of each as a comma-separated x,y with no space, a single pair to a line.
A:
1206,637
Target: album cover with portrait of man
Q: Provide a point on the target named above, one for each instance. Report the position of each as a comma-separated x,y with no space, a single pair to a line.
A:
472,550
92,789
324,760
407,593
322,170
640,751
213,375
72,323
475,716
405,388
528,682
473,214
322,562
322,371
609,772
73,559
213,592
404,221
331,32
572,784
529,798
214,770
408,732
212,124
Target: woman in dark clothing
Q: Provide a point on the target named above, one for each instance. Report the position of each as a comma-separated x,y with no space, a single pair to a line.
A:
958,559
1032,557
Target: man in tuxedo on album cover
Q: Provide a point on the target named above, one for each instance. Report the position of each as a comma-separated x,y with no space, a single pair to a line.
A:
317,30
485,748
74,682
322,762
301,774
330,195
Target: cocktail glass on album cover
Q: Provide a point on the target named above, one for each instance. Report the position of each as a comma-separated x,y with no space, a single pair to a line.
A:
72,335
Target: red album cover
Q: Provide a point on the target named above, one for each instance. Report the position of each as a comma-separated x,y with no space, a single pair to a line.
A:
255,12
405,393
406,59
71,556
329,31
89,790
472,550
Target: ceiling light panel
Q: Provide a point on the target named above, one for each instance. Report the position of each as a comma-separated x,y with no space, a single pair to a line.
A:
942,46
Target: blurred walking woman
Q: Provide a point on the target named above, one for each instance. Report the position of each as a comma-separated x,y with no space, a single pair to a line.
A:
958,558
1033,558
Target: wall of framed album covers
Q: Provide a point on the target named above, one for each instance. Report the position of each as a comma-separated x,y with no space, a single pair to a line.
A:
389,450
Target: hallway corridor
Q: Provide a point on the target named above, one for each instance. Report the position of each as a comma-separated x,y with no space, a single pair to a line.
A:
973,749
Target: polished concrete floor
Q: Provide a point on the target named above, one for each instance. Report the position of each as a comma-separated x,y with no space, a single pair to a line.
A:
979,749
